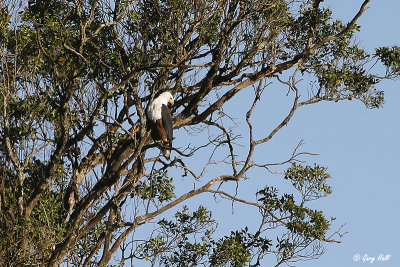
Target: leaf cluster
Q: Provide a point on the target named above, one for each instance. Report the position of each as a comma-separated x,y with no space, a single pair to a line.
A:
160,187
390,57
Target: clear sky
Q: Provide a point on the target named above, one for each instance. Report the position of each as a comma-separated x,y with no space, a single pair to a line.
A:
359,146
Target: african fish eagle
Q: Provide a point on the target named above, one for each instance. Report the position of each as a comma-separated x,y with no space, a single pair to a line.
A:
160,121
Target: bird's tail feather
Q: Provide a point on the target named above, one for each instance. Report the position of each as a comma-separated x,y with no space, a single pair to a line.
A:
166,150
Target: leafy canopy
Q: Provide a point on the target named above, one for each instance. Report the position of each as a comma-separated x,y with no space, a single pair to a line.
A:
80,177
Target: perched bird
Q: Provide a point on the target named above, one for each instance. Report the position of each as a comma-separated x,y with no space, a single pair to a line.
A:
160,121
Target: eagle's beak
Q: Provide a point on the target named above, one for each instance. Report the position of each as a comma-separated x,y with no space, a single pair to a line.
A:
171,100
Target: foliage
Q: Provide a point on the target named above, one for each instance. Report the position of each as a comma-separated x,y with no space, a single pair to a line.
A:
390,57
162,188
184,242
80,176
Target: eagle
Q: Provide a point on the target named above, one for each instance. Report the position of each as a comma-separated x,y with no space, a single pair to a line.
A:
160,121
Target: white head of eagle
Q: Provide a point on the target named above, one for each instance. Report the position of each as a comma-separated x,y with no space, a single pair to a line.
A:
160,121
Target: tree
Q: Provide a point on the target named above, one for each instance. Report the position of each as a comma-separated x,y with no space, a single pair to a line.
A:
80,174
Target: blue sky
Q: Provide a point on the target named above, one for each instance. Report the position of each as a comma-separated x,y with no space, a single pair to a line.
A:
359,146
362,153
